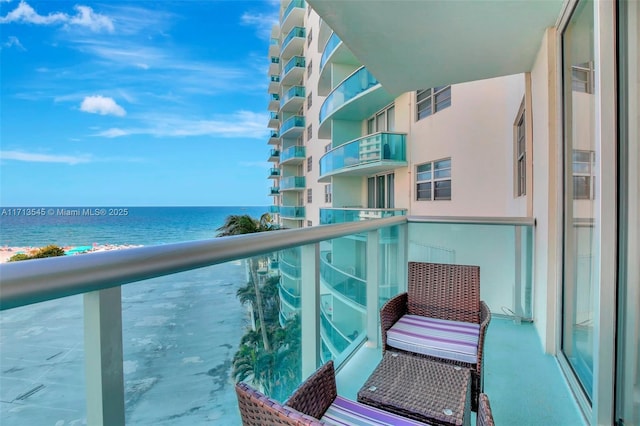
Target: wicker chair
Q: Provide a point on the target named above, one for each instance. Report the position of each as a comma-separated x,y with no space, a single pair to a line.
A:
485,417
315,399
413,321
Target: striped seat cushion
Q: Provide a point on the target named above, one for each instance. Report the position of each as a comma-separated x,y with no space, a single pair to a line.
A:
346,412
452,340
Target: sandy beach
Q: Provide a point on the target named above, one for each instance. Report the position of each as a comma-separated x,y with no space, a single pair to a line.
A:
7,252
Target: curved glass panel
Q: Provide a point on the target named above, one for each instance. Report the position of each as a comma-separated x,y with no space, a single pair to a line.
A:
357,83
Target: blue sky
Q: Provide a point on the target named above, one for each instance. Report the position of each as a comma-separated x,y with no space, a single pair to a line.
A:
134,103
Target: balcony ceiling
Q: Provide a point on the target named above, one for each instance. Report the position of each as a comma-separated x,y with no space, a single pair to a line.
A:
408,45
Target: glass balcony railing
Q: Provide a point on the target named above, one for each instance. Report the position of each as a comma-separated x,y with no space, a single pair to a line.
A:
274,209
331,45
295,122
275,60
292,183
274,172
294,62
274,190
329,216
165,324
293,92
290,269
274,97
370,151
295,33
357,83
292,212
275,78
293,152
274,153
293,4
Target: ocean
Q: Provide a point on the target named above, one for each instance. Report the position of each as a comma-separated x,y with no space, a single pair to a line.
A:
81,226
180,332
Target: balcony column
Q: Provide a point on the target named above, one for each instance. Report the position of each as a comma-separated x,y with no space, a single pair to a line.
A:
310,308
103,357
373,286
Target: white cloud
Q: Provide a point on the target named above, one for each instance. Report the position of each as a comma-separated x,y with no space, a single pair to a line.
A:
101,105
13,41
241,124
44,158
85,17
263,22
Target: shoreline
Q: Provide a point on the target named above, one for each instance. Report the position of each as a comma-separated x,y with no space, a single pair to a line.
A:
6,252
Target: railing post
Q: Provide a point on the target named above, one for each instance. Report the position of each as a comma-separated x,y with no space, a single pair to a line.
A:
103,357
373,286
310,308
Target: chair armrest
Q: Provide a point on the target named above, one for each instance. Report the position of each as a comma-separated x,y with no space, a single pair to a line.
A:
390,313
485,319
485,416
314,396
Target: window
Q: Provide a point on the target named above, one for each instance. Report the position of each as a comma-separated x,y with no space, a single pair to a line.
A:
309,100
309,132
521,155
430,101
433,180
382,121
309,69
583,175
309,163
327,193
309,37
309,195
582,78
381,191
309,223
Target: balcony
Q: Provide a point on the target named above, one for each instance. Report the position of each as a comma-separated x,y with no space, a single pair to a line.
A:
274,155
165,325
334,52
274,47
274,138
274,102
274,66
274,190
358,96
293,99
274,209
293,16
274,84
292,127
343,284
368,155
293,43
342,215
274,173
292,183
292,212
293,71
293,155
274,120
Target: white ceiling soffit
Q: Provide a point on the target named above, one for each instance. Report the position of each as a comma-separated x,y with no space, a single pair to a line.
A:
413,44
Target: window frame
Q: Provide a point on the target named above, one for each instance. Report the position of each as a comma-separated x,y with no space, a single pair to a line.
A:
520,151
432,181
437,99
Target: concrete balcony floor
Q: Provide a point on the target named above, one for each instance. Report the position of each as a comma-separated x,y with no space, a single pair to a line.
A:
525,386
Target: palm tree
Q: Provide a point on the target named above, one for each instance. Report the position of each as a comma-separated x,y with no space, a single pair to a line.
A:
245,224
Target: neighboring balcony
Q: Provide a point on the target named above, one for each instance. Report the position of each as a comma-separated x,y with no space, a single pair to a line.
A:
274,209
358,96
274,65
274,47
274,173
274,120
274,138
293,43
274,102
292,183
274,155
292,212
368,155
293,155
292,127
293,71
274,190
344,285
334,52
342,215
293,99
274,83
293,16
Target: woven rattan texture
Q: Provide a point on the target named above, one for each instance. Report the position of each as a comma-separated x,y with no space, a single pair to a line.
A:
418,388
317,393
257,409
450,292
485,417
